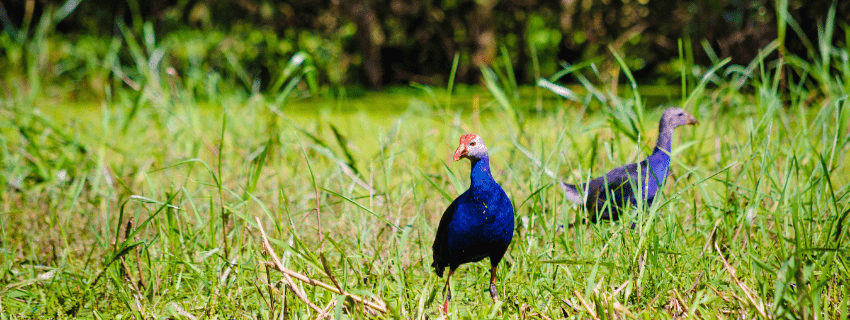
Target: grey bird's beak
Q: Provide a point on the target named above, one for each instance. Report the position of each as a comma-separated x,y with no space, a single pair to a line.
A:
692,120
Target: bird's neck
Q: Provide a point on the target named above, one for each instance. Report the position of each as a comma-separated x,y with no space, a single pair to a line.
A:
480,173
659,161
665,137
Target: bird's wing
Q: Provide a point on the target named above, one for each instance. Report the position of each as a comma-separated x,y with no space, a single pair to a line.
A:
441,240
618,181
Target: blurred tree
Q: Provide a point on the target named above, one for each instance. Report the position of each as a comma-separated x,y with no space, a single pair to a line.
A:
380,42
370,38
811,16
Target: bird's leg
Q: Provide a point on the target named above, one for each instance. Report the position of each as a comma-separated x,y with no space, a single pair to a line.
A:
445,308
493,293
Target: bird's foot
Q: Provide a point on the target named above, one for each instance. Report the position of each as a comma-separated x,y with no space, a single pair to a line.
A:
495,295
444,309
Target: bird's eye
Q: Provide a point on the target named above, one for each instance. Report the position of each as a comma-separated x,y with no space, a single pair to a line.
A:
680,114
472,143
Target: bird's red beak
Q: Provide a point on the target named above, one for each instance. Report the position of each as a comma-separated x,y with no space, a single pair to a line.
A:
461,152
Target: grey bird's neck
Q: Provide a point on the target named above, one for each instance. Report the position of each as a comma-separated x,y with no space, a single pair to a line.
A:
665,137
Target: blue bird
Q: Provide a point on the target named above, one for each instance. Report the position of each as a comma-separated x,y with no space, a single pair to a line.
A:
478,224
619,184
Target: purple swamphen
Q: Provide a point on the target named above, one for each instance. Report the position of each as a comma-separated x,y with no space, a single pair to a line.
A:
620,185
478,224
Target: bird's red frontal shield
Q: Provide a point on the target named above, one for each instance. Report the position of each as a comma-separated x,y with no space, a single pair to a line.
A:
461,151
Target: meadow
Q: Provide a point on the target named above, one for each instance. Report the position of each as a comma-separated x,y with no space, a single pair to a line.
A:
144,202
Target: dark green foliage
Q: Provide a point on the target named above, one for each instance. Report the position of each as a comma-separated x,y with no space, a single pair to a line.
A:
250,43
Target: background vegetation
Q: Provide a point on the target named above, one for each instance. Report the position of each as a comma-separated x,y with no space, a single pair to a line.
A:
135,159
372,43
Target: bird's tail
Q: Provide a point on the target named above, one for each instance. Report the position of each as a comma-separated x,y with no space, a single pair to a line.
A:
572,193
438,269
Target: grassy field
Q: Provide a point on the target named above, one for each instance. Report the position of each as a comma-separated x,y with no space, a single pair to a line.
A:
143,204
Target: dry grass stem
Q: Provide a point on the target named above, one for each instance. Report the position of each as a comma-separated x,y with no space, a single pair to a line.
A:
747,292
379,306
586,305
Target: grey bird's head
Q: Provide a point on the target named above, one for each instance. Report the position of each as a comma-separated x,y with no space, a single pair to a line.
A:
675,117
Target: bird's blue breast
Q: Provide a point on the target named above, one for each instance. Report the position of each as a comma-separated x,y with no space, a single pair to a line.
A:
656,173
483,221
491,216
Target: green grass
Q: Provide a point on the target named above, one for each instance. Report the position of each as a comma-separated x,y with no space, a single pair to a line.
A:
144,206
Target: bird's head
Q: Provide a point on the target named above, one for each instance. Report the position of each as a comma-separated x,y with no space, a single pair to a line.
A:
676,117
471,147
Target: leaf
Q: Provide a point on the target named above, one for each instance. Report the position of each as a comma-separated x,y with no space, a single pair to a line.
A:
343,143
557,89
256,169
434,184
491,81
362,207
